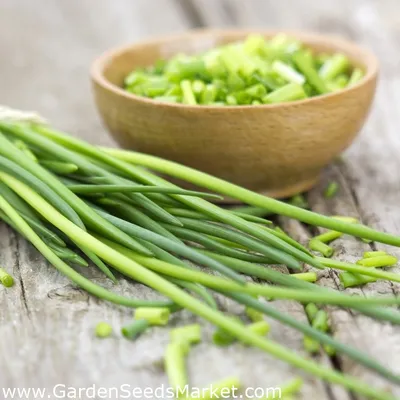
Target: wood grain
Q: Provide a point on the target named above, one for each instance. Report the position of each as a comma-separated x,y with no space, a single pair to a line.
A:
46,324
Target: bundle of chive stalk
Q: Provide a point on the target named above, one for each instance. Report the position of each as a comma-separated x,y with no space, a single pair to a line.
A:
74,201
255,71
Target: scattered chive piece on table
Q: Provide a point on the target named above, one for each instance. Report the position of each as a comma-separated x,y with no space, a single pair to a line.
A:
320,247
175,366
311,311
328,236
155,316
378,261
5,278
221,389
331,190
135,328
253,71
254,315
299,200
291,388
260,327
350,279
370,254
103,330
306,276
189,333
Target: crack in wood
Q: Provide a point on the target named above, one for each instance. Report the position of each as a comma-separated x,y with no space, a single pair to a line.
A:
18,267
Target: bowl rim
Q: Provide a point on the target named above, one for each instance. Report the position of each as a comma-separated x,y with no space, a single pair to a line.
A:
371,65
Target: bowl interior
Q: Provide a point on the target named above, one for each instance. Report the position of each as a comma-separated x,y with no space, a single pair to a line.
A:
115,65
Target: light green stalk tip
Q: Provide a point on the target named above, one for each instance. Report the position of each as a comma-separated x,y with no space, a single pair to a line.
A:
221,389
349,279
306,276
175,366
370,254
134,329
328,236
378,261
5,278
155,316
254,315
103,330
190,334
320,247
292,387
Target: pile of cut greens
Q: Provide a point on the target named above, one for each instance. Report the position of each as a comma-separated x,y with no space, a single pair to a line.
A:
76,202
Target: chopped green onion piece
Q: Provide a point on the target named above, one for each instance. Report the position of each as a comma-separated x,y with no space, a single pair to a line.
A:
103,330
209,94
356,76
306,276
305,65
188,96
328,236
260,327
135,328
320,321
311,311
190,334
5,278
320,247
311,345
216,390
222,338
288,73
198,87
334,66
254,315
293,387
379,261
155,316
331,190
231,100
370,254
350,279
289,92
299,200
257,91
175,366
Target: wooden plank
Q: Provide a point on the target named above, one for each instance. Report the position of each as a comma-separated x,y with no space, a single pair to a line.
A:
46,323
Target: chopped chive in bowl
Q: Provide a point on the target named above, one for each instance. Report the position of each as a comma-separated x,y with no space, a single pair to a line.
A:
254,71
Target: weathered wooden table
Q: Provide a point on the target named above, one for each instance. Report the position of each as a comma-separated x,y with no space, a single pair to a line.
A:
46,324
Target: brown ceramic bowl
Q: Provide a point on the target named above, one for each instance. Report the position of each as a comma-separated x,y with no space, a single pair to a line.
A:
275,149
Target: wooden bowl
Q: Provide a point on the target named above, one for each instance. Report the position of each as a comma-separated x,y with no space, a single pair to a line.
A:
277,149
